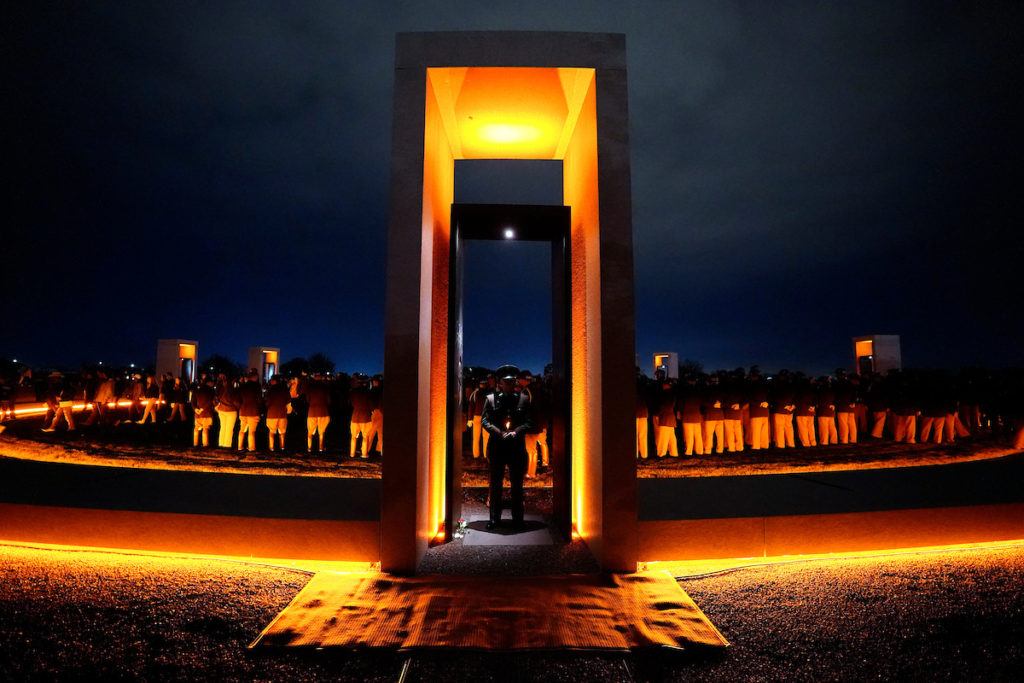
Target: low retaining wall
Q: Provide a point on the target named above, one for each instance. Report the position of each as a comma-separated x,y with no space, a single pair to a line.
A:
197,512
824,512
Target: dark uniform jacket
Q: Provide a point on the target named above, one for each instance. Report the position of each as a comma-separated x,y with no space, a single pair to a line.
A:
826,402
714,404
277,399
227,399
318,398
782,399
665,412
362,405
805,402
757,393
202,400
506,412
690,401
251,396
733,406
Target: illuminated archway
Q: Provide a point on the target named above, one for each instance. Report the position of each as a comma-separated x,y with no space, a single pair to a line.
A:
510,96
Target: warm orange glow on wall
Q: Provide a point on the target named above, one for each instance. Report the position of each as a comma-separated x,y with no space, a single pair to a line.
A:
864,348
509,112
270,357
438,194
187,351
580,192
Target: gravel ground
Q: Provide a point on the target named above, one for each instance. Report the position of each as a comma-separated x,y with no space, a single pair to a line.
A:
937,616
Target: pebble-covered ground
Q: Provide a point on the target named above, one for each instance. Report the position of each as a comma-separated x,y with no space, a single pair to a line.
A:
938,616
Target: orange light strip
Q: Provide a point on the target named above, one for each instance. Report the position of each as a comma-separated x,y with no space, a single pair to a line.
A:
310,566
700,568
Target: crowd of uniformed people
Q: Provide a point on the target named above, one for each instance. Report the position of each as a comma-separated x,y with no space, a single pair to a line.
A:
734,411
234,409
697,414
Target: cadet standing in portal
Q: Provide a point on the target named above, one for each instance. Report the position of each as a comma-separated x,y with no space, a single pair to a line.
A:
506,417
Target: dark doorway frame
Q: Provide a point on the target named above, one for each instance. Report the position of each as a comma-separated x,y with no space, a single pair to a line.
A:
536,223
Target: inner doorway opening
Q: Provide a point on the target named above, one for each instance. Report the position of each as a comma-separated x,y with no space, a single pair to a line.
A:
503,259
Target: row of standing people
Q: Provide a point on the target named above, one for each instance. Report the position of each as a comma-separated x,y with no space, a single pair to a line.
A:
247,404
244,403
731,411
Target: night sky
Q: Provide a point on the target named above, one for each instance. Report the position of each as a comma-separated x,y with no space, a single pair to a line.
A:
802,173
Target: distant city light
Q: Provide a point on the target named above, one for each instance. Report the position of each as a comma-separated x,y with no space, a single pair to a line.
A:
131,365
15,360
509,233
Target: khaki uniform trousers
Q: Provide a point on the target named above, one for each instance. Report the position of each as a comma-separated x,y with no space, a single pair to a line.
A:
805,430
783,423
878,425
376,430
693,437
733,435
714,429
357,429
759,433
248,425
665,442
226,436
932,427
478,433
847,427
955,426
641,437
827,431
905,428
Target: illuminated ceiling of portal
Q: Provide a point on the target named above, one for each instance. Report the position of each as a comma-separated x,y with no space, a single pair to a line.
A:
509,112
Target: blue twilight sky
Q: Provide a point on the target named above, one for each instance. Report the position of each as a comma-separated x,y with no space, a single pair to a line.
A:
803,172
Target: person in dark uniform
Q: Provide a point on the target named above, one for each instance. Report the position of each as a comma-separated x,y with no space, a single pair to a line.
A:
250,406
783,405
806,411
361,423
826,412
688,407
279,406
757,395
204,398
665,440
506,417
318,412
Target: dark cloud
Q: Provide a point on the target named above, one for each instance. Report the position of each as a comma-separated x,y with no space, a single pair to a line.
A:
802,172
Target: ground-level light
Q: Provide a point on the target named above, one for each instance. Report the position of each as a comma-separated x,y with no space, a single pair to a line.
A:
509,233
